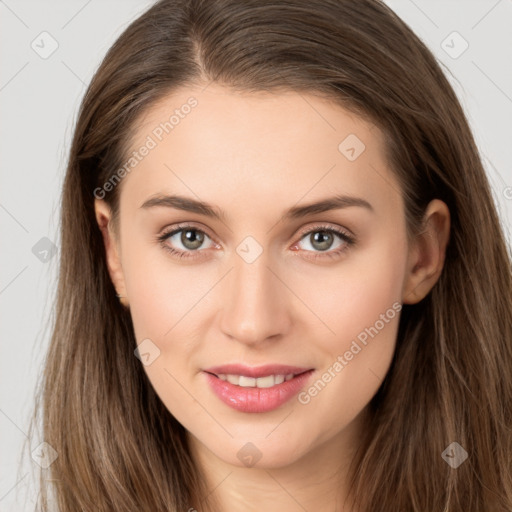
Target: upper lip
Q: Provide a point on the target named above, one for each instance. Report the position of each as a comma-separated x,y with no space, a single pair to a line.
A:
256,371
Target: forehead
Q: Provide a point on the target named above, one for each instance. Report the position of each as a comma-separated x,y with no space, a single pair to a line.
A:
230,147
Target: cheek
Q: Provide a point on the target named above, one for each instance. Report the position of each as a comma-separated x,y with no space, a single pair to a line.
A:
161,294
353,295
164,300
362,308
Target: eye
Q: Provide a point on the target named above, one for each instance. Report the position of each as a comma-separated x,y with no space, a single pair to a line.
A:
191,240
189,237
322,238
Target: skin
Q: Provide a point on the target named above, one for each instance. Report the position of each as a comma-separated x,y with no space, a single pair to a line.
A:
254,155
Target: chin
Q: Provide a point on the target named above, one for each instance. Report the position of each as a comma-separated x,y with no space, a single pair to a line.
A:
261,454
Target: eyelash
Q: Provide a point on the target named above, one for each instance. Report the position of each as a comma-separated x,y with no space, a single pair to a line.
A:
348,239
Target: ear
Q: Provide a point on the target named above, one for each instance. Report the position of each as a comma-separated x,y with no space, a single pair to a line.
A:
104,220
427,253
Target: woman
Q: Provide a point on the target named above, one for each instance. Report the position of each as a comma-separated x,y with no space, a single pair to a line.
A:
284,284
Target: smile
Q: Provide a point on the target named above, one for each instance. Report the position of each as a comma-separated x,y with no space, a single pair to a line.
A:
251,382
256,394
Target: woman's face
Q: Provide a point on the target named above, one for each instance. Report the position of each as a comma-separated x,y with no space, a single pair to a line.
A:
258,279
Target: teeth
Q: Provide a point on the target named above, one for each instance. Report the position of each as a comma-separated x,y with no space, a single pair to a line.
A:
260,382
247,382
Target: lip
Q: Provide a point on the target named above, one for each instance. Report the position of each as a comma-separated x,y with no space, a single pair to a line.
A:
254,400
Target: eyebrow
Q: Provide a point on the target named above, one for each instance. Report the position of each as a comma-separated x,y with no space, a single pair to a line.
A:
296,212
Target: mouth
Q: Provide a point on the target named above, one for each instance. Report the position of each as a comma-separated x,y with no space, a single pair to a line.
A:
257,393
267,381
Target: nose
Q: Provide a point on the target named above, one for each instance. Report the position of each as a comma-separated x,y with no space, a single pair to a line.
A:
256,302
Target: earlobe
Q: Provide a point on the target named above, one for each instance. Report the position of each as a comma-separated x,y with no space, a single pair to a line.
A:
427,255
103,218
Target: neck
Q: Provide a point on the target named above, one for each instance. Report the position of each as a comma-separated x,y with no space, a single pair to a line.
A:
317,481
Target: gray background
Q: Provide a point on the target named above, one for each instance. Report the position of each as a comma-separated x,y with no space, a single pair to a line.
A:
39,98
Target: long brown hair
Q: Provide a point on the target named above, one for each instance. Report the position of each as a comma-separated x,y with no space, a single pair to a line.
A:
119,448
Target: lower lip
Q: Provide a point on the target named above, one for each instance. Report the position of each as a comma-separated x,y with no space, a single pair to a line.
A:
257,399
